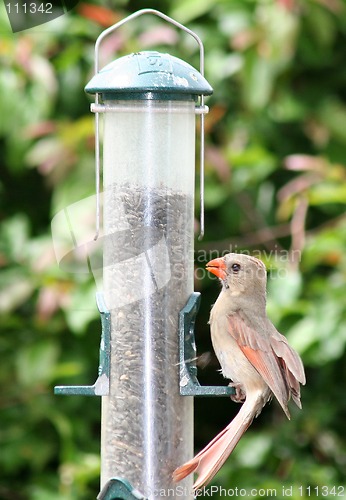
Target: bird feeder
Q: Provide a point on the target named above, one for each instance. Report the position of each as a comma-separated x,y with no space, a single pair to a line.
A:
149,101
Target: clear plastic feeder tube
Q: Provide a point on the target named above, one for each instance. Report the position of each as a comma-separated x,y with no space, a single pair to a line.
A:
148,172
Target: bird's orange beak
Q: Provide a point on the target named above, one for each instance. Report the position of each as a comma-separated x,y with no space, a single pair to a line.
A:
217,267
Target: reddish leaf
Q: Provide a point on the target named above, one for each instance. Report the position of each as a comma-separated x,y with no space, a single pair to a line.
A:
101,15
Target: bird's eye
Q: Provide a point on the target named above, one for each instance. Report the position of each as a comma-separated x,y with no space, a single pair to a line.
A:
236,268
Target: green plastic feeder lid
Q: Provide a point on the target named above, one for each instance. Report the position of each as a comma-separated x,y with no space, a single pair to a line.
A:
148,74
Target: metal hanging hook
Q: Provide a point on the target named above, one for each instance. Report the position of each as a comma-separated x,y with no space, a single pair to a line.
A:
95,108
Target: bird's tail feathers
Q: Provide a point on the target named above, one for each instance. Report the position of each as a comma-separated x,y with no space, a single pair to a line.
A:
209,461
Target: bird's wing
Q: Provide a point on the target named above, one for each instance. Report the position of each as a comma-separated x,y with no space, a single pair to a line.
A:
291,364
258,349
292,360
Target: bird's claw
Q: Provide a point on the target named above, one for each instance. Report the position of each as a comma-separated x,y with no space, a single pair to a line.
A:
239,396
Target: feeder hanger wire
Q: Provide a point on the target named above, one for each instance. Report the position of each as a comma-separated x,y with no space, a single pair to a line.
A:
201,110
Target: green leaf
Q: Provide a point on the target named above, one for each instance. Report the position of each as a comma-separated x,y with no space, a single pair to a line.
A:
253,448
327,192
214,194
332,113
284,286
321,333
14,236
187,10
36,362
258,81
321,24
15,289
82,309
250,165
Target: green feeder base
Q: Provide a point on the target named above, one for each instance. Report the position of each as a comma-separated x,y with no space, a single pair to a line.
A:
119,489
189,384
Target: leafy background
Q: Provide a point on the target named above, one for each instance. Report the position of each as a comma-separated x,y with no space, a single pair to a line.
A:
275,186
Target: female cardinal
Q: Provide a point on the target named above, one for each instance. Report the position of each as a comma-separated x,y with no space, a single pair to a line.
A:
251,352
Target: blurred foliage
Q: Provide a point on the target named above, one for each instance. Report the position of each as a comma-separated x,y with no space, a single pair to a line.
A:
275,186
